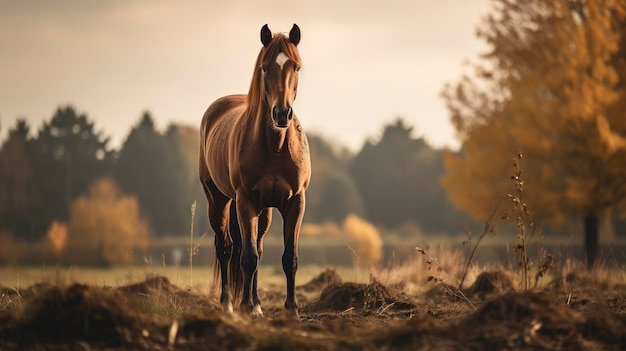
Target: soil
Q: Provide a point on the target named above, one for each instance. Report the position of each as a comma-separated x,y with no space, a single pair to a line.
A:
334,315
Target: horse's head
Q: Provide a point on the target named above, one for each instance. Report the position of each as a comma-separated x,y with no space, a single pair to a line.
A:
277,71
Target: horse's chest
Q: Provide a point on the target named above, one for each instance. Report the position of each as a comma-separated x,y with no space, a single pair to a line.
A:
271,192
271,186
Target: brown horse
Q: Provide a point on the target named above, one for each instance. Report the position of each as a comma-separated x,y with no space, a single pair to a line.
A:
254,155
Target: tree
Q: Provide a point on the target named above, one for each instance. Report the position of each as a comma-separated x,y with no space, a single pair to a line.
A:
152,166
66,157
398,177
105,227
332,194
552,86
189,140
20,204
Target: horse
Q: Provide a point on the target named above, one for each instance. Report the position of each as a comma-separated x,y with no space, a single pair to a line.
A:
254,156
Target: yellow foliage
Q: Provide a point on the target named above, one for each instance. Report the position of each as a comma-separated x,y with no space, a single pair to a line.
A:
368,244
321,229
555,98
57,236
612,139
105,226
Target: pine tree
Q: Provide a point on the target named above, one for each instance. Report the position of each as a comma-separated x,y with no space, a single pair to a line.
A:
152,166
20,204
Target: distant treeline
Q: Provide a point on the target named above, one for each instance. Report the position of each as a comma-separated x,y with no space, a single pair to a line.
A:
391,181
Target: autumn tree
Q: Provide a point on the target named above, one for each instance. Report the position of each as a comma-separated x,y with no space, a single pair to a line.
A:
105,227
551,86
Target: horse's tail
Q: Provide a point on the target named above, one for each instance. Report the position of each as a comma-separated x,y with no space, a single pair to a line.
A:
235,275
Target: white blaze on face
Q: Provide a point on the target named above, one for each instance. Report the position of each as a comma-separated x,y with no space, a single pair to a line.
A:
281,59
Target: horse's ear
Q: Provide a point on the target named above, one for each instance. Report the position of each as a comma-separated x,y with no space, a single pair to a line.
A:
266,35
294,34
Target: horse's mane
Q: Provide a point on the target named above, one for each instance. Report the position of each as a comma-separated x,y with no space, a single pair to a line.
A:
279,43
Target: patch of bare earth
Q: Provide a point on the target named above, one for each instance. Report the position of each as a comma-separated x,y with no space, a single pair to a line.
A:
335,315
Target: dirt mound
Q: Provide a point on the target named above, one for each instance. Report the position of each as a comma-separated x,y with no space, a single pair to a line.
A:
157,315
538,320
617,304
327,277
524,306
79,312
226,332
494,282
365,297
151,284
23,294
157,295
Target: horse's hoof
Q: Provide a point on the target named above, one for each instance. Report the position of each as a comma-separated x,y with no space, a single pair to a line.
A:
228,308
256,311
293,315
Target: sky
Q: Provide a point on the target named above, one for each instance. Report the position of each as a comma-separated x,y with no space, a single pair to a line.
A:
365,62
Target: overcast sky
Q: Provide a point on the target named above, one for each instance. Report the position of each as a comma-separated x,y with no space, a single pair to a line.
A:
364,62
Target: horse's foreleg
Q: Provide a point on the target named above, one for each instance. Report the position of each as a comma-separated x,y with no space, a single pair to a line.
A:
292,215
249,225
265,219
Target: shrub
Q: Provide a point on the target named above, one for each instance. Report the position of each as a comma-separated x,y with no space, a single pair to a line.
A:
105,226
368,244
57,237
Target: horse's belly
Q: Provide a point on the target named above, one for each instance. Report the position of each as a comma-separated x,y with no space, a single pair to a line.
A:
217,164
223,184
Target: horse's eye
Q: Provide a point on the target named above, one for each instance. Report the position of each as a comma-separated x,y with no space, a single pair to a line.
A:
263,69
297,68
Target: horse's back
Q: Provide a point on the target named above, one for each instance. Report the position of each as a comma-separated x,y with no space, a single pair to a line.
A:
221,108
216,128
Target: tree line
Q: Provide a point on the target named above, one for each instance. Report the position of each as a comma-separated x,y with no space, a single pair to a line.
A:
392,180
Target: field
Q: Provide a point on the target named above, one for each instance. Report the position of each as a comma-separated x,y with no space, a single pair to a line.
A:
396,308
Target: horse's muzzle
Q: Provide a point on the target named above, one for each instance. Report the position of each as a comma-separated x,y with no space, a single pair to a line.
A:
282,116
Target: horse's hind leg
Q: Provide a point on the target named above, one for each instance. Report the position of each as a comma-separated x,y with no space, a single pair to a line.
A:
218,218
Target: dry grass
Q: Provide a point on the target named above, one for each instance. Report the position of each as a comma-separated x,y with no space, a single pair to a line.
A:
413,274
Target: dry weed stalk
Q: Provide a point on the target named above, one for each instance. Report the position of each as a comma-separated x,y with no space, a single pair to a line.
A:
547,264
433,263
520,210
489,228
193,248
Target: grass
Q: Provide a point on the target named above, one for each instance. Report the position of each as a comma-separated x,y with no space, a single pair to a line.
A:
21,277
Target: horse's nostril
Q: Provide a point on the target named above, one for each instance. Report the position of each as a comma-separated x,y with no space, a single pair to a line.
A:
282,113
